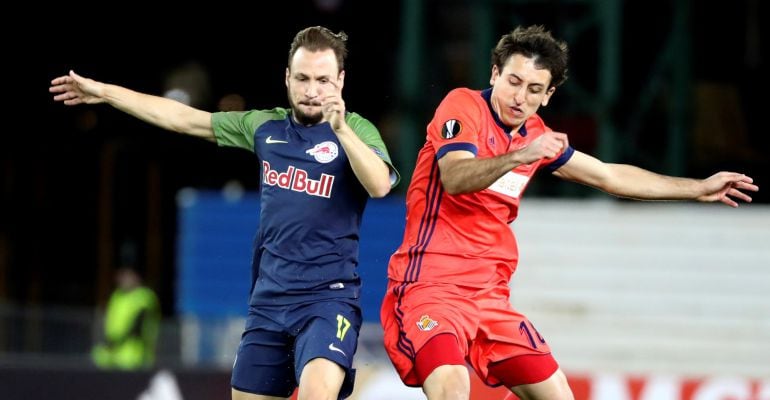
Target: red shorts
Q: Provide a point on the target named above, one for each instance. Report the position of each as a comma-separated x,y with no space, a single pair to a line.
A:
487,327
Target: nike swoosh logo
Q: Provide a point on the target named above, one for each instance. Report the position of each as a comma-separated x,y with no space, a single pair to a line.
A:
270,140
332,347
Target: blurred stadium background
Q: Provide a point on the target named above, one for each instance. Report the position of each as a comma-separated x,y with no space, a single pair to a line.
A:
638,300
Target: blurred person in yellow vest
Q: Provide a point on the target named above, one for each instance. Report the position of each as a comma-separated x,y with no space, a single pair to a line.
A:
131,325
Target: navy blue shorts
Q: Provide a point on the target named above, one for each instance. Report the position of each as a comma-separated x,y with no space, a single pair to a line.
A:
279,341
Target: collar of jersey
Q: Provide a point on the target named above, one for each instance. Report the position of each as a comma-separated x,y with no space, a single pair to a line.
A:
487,95
297,125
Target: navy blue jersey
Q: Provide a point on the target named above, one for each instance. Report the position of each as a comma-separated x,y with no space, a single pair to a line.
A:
306,248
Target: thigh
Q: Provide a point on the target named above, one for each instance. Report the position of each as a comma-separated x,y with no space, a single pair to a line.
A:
322,378
264,364
414,313
555,387
504,333
329,330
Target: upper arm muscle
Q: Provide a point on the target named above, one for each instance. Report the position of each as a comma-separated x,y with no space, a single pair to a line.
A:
445,162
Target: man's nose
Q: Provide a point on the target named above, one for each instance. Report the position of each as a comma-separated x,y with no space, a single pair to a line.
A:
313,89
519,96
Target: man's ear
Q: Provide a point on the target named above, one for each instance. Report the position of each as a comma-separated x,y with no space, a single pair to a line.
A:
341,79
286,80
547,96
495,74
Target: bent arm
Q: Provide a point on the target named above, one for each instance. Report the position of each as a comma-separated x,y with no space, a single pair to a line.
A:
74,89
370,170
461,172
629,181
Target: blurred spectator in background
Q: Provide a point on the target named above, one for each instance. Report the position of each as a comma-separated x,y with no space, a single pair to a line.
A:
131,324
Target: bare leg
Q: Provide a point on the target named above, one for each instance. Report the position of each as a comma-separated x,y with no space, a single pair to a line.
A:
448,382
321,380
238,395
553,388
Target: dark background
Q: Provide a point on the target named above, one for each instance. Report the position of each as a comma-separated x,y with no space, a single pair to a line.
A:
80,183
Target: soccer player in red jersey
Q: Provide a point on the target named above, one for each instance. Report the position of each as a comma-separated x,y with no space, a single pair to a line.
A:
447,303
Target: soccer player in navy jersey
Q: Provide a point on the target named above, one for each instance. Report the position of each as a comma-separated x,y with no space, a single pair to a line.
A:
319,164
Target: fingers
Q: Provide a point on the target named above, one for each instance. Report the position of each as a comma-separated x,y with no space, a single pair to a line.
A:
554,144
65,92
61,80
730,202
59,88
743,185
332,103
65,96
734,177
563,139
735,191
739,195
733,186
332,97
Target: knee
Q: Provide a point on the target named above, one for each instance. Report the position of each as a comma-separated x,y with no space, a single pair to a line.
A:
316,396
448,382
321,379
561,386
318,392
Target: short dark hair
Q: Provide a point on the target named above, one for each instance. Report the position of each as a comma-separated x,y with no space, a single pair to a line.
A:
537,43
317,38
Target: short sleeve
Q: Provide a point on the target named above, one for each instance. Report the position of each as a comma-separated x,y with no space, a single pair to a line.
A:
368,133
455,125
237,128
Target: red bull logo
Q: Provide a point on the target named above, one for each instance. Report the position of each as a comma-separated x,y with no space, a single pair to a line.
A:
296,179
324,152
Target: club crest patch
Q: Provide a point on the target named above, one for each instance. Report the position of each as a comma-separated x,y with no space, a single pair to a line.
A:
451,129
426,323
324,152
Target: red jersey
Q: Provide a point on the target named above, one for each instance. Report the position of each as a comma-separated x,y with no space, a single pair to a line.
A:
466,239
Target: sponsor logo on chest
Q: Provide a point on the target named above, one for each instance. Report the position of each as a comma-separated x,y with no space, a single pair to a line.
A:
510,184
297,179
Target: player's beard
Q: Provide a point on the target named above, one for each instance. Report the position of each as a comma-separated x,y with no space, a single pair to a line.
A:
302,117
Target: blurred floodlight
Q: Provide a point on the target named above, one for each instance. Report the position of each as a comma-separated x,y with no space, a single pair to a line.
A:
192,79
179,95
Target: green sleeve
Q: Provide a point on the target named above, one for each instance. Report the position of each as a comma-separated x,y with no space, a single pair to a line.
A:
368,133
237,128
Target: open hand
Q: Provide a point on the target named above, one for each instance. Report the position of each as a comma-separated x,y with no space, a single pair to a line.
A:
74,89
724,186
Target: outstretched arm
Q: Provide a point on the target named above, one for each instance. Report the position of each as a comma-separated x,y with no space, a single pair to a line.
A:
633,182
73,89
